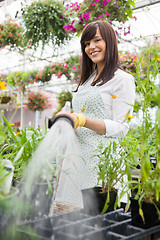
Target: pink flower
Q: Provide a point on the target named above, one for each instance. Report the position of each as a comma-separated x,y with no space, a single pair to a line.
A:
96,0
100,16
10,34
19,35
104,3
108,14
86,15
93,4
73,67
135,18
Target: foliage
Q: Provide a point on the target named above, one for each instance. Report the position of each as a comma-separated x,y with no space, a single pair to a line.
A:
151,51
11,34
143,141
19,147
91,10
111,170
43,21
19,80
38,101
128,62
63,97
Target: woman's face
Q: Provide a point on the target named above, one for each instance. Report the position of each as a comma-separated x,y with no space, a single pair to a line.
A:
96,49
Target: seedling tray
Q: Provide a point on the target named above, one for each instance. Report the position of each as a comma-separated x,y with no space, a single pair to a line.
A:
76,225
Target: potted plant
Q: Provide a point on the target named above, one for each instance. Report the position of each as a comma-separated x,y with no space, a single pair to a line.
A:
80,14
105,197
142,144
44,23
8,193
19,149
11,34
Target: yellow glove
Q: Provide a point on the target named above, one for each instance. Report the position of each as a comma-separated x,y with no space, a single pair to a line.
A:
79,120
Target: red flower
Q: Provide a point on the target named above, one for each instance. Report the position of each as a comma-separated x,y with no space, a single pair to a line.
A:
10,34
19,35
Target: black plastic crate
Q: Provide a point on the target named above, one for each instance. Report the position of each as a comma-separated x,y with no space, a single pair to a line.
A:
76,225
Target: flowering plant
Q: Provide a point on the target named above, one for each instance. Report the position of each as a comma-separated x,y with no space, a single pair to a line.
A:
11,34
43,21
128,62
38,101
70,68
91,10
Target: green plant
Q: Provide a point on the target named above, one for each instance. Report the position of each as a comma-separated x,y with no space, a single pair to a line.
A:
18,80
63,97
91,10
143,141
150,52
43,22
111,171
19,147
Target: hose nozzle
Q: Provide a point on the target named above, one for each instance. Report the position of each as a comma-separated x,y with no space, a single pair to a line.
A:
62,115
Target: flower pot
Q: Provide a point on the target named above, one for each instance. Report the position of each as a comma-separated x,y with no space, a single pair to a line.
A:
94,200
149,211
8,212
38,202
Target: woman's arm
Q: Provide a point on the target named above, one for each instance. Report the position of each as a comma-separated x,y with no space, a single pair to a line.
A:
96,125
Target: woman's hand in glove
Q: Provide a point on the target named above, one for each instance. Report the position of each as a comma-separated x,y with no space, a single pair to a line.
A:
78,118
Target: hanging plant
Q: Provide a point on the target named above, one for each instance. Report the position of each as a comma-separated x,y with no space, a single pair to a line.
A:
19,80
43,21
91,10
11,34
38,101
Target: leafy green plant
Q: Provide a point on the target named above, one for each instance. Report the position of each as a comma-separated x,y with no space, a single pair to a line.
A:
143,141
63,97
43,22
19,147
111,171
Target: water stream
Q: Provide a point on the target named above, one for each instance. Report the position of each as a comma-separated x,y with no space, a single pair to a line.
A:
59,147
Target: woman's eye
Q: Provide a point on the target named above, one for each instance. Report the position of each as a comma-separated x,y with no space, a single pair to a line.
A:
97,40
87,44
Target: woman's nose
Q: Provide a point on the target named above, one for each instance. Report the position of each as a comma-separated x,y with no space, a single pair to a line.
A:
92,45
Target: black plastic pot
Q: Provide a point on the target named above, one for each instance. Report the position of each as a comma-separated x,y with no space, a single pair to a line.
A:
38,203
94,200
150,214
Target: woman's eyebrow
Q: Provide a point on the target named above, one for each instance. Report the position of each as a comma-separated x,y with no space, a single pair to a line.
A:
97,36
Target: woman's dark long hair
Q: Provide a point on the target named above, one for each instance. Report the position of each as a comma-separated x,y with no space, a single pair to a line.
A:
111,57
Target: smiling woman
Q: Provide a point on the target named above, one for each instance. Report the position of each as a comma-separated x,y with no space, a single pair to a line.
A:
104,96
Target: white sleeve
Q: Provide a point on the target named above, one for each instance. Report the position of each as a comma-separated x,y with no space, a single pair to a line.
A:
124,93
